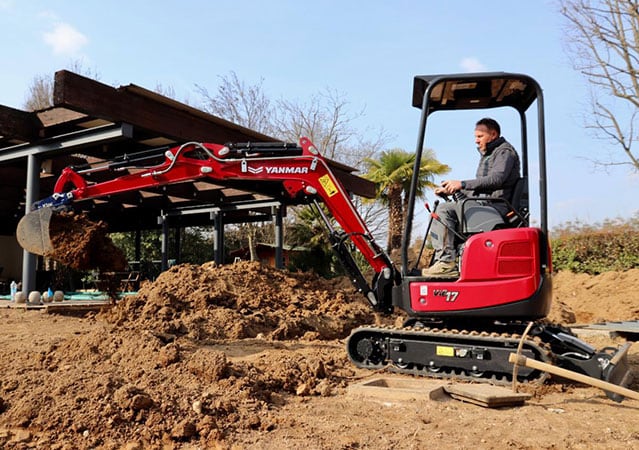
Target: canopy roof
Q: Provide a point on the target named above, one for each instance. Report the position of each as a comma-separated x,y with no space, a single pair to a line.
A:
475,91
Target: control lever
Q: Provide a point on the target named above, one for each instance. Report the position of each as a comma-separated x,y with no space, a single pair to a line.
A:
430,222
435,216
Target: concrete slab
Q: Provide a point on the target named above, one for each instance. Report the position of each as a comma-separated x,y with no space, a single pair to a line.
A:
75,307
66,306
628,329
13,305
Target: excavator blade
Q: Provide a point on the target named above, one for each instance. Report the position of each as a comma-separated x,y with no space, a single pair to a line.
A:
618,371
33,232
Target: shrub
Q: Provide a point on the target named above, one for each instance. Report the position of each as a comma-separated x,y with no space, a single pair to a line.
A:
593,249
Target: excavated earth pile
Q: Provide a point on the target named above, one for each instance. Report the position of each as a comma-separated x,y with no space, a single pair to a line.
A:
242,300
164,365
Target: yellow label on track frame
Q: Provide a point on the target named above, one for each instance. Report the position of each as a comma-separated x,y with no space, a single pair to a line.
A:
445,351
328,185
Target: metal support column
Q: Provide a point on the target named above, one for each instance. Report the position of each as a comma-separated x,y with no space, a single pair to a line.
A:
177,247
218,236
276,211
30,261
138,246
163,220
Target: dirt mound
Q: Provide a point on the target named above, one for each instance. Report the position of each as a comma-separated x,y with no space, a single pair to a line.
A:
164,367
582,298
83,244
242,300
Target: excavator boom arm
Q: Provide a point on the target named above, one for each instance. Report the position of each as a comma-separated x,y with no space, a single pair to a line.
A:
302,171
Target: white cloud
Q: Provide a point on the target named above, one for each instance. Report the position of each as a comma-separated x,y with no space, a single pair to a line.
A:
470,64
65,40
6,4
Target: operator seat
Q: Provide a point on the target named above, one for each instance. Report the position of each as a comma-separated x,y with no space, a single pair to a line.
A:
520,200
479,216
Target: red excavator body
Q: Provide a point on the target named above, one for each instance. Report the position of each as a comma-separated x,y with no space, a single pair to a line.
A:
500,277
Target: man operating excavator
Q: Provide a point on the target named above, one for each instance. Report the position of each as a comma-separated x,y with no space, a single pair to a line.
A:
497,174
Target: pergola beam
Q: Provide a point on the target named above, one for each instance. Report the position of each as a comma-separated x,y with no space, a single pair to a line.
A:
18,125
150,111
147,110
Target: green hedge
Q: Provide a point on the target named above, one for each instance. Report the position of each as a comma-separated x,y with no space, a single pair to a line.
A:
611,246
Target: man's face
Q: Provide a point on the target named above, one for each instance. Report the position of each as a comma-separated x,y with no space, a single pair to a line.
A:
484,136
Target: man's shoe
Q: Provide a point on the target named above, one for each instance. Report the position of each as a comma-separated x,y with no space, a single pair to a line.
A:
442,269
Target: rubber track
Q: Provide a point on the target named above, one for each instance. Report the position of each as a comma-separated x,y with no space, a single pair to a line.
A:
444,335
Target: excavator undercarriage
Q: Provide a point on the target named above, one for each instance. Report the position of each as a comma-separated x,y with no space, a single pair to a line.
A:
482,353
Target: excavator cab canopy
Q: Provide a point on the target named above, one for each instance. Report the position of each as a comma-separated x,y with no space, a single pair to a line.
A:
474,91
484,90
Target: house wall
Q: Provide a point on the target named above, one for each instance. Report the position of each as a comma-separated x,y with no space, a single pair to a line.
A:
267,256
10,258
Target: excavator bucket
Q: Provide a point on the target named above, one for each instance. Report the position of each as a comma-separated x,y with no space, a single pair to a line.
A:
33,232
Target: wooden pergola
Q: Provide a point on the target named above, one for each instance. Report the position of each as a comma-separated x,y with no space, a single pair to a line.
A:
93,123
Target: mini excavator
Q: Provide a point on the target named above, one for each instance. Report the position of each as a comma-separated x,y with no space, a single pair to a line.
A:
464,327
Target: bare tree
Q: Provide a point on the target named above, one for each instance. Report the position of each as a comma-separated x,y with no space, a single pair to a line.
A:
603,41
40,94
326,118
166,91
243,104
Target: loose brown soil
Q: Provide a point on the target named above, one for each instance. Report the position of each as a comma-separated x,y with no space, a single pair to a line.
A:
245,356
83,244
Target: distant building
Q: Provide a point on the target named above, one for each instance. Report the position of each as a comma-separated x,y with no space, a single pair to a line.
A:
266,253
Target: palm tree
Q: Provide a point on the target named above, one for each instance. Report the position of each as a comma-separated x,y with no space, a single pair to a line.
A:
307,231
392,173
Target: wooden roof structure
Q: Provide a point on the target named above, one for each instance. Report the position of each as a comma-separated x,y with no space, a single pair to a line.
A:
91,122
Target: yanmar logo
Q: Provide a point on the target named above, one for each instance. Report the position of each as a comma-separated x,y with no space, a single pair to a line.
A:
274,170
292,170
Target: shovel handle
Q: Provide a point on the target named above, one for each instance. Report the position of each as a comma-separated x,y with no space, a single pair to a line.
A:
569,374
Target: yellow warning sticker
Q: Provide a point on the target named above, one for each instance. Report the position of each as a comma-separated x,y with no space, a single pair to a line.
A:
328,185
445,351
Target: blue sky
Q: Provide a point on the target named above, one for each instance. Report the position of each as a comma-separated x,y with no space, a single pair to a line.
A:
368,50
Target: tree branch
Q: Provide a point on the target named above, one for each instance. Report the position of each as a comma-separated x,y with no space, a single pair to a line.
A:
603,37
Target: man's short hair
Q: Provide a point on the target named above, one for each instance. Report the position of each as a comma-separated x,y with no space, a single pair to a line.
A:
489,123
